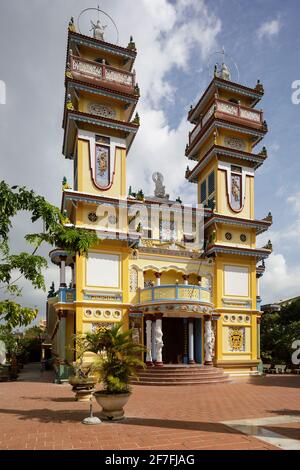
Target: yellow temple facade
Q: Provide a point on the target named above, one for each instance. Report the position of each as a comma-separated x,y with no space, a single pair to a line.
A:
191,297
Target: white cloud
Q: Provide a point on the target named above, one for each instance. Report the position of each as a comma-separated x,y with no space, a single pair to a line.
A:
281,278
172,35
269,29
280,281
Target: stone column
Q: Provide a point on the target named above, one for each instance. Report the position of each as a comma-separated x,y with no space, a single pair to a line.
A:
258,320
149,341
73,266
153,351
158,276
62,334
185,279
159,340
191,341
62,266
185,339
208,341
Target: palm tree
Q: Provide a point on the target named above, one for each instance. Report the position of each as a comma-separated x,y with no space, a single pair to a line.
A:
118,357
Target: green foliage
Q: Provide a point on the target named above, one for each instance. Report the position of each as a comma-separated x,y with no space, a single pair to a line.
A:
15,315
278,332
12,342
30,265
119,357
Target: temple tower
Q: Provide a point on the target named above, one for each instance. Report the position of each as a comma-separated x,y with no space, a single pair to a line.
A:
99,125
227,129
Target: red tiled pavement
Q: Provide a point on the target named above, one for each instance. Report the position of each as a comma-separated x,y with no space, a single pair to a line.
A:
38,414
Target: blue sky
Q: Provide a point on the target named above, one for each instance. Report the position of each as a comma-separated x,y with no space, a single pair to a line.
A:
176,41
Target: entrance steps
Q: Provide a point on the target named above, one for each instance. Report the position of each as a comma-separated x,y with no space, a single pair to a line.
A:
180,374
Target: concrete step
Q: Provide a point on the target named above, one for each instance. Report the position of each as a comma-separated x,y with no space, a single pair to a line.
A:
180,375
158,378
169,373
186,382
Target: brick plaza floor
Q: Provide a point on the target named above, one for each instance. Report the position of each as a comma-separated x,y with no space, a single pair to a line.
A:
38,414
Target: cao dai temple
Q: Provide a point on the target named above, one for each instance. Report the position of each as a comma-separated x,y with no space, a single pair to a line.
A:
195,306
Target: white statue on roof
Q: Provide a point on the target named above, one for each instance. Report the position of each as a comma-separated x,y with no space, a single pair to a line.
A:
159,187
225,72
98,30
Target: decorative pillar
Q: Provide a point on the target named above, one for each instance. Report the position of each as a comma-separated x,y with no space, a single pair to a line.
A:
158,276
62,266
153,351
198,340
185,341
191,341
159,340
208,341
148,341
73,266
185,279
62,334
258,320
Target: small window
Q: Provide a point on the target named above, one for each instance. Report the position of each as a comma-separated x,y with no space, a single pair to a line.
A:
236,169
203,191
211,183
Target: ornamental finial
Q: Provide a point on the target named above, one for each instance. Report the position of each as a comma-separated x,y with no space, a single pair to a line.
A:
72,25
69,103
131,44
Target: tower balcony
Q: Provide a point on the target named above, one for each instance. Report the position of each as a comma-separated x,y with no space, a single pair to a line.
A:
175,294
232,113
90,71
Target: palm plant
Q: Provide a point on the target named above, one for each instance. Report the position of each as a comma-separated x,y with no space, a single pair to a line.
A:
118,357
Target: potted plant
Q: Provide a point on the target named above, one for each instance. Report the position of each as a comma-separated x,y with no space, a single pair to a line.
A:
83,381
118,361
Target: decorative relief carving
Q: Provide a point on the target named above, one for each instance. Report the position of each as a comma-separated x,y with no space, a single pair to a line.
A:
228,108
101,326
209,113
133,280
119,77
235,193
102,165
235,143
92,216
236,339
86,67
251,115
101,110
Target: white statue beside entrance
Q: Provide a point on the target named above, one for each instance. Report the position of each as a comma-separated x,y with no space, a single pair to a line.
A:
209,340
158,341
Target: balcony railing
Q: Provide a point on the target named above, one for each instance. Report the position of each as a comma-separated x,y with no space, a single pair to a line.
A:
174,292
223,108
66,294
91,71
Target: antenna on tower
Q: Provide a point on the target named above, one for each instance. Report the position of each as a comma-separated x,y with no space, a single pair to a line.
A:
223,66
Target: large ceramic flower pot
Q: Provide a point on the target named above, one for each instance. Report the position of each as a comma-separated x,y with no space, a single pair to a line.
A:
112,405
82,387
